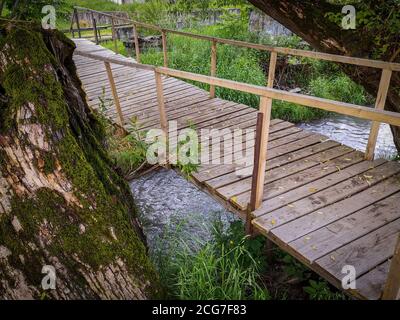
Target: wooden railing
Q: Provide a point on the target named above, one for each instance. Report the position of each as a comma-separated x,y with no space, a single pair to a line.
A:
267,94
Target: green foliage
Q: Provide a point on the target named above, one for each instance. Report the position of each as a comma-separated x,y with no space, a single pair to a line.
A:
320,290
338,87
227,267
32,9
293,268
128,152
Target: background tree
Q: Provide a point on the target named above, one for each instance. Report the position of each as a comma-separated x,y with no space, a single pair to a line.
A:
61,202
376,36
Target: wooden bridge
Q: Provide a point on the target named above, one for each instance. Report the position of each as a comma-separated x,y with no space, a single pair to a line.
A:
324,203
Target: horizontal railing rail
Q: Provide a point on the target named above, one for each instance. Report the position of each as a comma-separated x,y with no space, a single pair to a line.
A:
282,50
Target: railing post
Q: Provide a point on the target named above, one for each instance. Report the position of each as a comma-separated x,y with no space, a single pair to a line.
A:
115,94
392,286
260,154
165,49
95,29
163,114
78,23
136,39
379,105
71,28
213,72
114,35
272,68
262,134
161,102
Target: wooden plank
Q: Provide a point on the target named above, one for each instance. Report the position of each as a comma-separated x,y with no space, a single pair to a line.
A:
298,173
370,285
291,156
365,253
355,183
207,172
244,182
379,105
391,290
343,222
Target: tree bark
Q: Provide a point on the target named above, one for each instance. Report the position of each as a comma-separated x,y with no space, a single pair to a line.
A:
308,20
61,202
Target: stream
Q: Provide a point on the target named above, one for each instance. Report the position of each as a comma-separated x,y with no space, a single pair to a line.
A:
167,200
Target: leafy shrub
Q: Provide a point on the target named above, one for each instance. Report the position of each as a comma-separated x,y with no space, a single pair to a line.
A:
340,88
319,290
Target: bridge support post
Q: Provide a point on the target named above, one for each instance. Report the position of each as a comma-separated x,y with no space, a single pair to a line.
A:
96,37
262,134
213,72
165,49
161,111
115,94
379,105
392,286
114,35
78,23
136,39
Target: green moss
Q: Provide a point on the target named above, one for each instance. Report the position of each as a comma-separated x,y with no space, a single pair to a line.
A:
104,197
34,84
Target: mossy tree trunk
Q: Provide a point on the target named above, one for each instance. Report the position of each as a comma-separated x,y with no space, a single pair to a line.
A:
376,36
61,202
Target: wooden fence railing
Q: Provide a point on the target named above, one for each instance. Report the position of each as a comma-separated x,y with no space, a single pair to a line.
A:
267,94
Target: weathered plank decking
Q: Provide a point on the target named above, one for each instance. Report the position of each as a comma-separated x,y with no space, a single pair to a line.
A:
323,203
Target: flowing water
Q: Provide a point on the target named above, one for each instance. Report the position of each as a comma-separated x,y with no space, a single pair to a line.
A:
354,133
166,200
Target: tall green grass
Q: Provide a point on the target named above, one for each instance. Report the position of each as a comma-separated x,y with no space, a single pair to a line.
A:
226,267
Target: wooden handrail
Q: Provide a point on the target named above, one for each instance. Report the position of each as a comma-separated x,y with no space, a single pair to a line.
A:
287,51
349,109
366,113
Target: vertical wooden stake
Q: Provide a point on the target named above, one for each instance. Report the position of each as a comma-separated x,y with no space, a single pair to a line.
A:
162,112
392,285
114,35
71,28
260,155
379,105
262,134
161,102
78,23
249,226
213,72
136,39
95,29
115,94
271,71
165,49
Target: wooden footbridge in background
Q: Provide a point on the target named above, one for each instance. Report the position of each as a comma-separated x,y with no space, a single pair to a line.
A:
324,203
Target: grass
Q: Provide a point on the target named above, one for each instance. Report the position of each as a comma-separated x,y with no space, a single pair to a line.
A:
227,267
232,266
